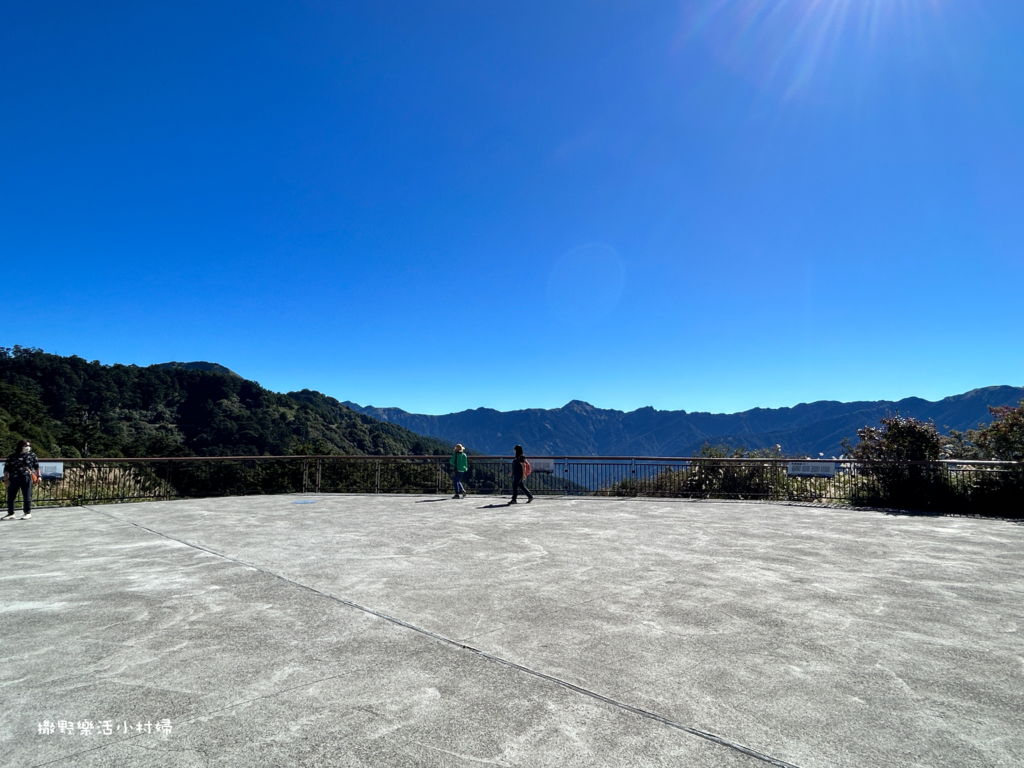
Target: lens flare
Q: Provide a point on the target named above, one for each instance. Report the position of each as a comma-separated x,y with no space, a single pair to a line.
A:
795,45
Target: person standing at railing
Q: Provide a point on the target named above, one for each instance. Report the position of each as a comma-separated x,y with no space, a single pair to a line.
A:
519,465
21,470
460,463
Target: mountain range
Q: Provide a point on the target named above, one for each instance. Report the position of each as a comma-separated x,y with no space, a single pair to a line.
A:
580,429
70,407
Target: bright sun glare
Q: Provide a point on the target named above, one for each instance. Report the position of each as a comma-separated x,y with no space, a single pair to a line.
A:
791,44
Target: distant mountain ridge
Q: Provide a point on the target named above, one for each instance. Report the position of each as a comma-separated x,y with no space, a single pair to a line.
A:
580,429
70,407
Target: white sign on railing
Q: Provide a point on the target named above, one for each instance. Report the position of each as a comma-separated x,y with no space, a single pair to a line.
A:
811,469
544,466
51,470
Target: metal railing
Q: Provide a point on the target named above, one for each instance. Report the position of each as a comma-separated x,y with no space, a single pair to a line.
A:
970,487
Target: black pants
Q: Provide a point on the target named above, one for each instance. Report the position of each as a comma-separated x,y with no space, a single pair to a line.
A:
25,484
517,483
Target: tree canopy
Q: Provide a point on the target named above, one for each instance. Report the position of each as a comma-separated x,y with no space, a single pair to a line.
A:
899,439
1002,439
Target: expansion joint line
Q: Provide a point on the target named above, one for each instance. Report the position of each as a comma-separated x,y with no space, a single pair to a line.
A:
720,740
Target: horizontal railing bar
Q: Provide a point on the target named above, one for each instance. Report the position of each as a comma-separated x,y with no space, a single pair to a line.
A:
956,484
591,459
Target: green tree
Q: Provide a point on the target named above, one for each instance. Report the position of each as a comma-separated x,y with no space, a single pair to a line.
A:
1003,439
888,477
900,439
82,429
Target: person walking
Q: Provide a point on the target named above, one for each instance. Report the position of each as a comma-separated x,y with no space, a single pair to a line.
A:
518,474
460,463
20,470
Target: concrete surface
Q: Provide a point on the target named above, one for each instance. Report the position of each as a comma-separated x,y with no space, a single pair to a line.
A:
422,631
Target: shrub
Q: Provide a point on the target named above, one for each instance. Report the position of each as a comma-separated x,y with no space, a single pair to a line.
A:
899,439
1003,439
889,477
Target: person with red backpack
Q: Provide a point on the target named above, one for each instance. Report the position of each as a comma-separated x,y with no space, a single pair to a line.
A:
520,471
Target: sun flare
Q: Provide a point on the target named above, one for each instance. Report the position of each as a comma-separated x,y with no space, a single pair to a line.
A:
792,44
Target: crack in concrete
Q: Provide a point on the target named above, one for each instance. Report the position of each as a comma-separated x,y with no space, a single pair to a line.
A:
706,735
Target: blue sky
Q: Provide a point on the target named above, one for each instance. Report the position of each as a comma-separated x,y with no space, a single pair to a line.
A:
709,205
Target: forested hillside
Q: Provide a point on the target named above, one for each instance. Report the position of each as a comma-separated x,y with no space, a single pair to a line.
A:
71,407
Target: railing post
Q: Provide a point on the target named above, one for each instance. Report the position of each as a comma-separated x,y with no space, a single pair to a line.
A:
305,473
377,490
319,465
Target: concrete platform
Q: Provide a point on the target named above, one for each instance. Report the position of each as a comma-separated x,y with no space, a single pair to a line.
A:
421,631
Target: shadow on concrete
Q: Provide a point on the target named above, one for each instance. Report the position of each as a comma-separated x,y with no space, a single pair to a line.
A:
930,513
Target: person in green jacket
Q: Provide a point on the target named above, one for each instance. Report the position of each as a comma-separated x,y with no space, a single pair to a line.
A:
460,462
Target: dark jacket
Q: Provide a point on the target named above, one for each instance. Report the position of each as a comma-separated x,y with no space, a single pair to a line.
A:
21,464
517,467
